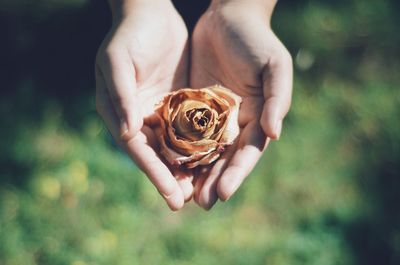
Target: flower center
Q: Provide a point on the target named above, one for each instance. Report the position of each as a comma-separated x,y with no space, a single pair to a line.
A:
194,120
202,122
199,118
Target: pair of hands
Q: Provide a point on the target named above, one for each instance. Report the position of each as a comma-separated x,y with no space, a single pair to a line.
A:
146,55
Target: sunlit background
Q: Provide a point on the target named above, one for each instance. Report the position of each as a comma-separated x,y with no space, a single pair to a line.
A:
327,193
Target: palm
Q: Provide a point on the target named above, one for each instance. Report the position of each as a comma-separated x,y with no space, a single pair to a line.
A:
159,55
228,55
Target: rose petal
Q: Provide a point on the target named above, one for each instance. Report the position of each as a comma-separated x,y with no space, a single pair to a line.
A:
175,158
187,147
206,160
232,128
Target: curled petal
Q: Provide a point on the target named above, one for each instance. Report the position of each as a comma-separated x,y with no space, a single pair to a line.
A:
175,158
205,160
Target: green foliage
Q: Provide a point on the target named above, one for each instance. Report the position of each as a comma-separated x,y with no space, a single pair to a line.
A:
326,193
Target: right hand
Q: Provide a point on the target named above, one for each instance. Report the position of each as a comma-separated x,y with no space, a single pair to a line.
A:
143,57
234,45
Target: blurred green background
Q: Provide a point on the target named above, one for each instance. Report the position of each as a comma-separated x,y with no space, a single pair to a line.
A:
327,193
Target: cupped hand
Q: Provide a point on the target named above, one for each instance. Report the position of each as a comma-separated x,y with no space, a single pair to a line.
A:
143,57
233,45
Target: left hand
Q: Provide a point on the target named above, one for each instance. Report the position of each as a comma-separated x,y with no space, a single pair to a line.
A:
143,57
233,45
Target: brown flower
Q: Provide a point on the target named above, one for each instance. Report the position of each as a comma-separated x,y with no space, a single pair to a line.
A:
197,124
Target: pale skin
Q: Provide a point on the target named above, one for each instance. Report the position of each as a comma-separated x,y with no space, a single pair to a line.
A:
145,55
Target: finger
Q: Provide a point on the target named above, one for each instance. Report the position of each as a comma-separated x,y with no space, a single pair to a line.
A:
119,74
140,152
250,148
277,88
187,188
184,179
200,176
158,173
105,108
208,196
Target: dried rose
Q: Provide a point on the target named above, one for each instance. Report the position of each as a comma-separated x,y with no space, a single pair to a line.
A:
197,124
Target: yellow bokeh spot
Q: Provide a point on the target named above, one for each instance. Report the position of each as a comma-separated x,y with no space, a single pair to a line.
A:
103,243
49,187
78,177
109,240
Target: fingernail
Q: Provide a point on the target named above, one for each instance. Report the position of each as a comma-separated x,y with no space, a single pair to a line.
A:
278,129
166,196
124,128
206,208
189,198
207,204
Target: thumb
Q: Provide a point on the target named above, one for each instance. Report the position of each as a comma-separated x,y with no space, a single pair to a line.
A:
277,87
120,77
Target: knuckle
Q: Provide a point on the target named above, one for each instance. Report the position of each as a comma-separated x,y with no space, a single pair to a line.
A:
282,57
109,52
286,57
105,55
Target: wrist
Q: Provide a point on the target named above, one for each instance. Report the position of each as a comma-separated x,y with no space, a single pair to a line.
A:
123,8
253,7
